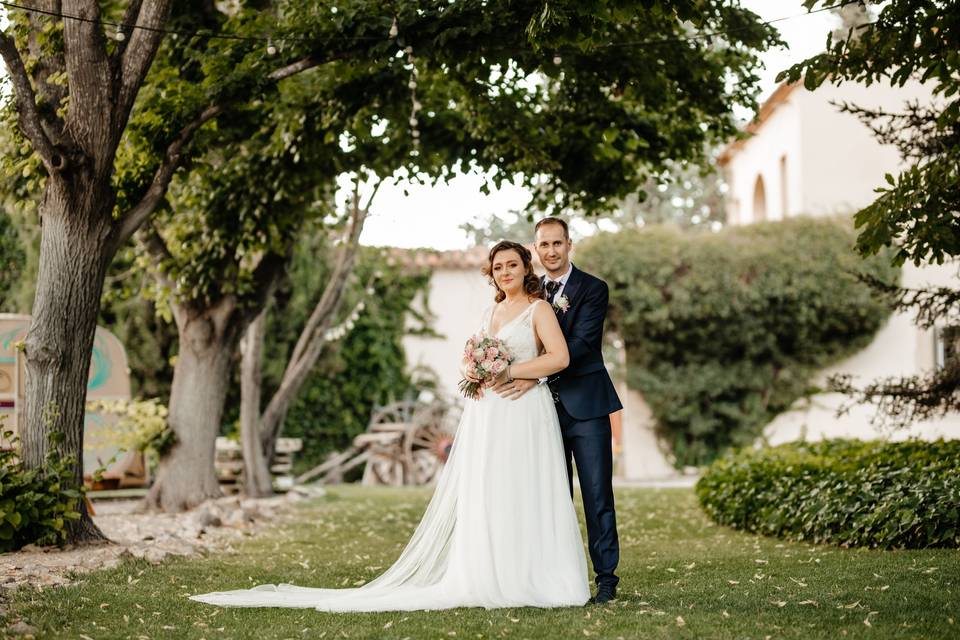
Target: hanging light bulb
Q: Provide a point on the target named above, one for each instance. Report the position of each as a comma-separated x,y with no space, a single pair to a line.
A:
394,29
119,36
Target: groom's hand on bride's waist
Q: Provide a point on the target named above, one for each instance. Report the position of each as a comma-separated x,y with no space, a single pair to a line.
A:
515,388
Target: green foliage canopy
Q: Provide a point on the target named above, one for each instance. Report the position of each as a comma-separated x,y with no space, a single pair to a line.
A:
576,99
12,258
724,331
556,94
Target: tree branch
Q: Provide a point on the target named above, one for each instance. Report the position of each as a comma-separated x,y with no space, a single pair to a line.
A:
157,248
265,276
129,18
299,66
136,57
323,310
88,79
311,341
50,96
902,401
26,100
932,304
140,212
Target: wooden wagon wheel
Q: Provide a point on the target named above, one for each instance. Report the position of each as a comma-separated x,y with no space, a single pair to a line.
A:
426,445
393,413
387,463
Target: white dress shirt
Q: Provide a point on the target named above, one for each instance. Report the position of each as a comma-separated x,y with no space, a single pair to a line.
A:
562,280
563,283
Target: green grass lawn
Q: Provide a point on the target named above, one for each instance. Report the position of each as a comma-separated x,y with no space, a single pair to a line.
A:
681,577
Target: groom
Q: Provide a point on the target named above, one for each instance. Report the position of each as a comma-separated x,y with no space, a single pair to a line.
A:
583,393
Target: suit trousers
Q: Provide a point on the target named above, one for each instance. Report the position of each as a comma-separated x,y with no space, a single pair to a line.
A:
588,443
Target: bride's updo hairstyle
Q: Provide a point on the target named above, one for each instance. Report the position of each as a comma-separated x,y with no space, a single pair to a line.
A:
531,282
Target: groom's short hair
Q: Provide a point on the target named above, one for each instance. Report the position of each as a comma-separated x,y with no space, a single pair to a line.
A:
551,220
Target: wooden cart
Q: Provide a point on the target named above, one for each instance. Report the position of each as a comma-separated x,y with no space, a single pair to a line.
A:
406,443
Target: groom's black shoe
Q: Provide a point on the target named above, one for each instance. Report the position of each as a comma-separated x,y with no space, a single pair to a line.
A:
604,595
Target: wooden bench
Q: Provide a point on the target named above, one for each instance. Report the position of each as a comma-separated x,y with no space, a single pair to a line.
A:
228,463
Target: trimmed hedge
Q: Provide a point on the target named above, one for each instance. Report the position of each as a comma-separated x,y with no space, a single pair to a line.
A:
846,492
724,331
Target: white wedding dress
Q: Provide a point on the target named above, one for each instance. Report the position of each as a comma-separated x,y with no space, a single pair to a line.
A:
500,529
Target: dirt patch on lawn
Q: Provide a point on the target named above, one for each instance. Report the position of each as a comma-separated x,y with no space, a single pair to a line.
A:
213,525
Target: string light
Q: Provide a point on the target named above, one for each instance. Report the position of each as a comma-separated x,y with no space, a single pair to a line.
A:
394,29
216,35
414,103
394,33
344,328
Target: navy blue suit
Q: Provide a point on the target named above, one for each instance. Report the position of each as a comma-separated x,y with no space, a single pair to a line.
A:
585,397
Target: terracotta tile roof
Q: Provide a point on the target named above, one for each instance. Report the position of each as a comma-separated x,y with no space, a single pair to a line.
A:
778,97
473,258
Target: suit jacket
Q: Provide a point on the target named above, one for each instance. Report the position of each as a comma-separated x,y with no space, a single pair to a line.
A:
584,387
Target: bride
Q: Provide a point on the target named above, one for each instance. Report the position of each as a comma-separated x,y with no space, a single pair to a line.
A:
500,529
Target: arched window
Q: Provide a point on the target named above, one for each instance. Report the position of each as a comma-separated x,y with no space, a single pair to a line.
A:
759,201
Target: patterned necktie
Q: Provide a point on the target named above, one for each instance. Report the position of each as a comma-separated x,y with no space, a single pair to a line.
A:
552,288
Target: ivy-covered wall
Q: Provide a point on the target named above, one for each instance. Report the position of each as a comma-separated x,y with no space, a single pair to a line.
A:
725,330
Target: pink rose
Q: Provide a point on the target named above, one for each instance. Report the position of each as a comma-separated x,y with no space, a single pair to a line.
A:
491,353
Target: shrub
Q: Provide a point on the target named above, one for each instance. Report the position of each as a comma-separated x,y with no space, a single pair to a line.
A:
140,425
845,492
34,503
724,331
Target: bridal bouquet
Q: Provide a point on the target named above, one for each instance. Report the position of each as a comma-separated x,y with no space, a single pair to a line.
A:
484,358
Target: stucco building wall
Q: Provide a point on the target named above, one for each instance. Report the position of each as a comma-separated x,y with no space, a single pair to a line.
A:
833,166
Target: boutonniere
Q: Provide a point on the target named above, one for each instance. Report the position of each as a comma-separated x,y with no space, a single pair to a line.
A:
561,304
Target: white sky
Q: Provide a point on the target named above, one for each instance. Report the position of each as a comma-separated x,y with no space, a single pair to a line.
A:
431,216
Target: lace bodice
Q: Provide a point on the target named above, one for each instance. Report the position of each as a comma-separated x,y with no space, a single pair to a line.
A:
518,333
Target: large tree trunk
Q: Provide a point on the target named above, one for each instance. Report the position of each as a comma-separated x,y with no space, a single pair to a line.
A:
201,376
73,262
256,472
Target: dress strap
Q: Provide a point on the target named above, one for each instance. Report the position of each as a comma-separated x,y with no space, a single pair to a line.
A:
526,318
485,317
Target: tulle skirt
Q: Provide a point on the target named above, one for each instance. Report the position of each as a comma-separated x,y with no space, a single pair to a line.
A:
499,531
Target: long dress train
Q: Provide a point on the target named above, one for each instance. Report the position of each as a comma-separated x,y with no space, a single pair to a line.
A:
500,529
